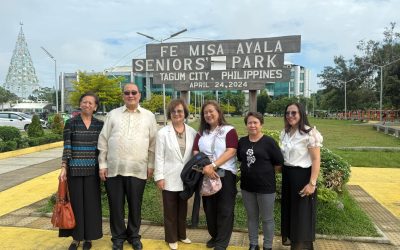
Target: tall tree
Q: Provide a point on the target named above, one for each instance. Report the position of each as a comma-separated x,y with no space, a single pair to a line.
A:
6,96
346,76
156,104
236,100
277,106
108,89
263,100
384,52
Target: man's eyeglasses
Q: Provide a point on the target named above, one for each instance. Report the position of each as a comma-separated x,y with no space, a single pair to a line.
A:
133,92
291,113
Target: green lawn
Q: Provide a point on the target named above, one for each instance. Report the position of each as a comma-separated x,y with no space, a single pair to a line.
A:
340,133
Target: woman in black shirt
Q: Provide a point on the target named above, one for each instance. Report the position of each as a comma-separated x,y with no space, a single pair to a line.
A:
258,154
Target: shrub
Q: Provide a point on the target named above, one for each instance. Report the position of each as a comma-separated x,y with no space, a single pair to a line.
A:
8,133
35,128
48,138
335,170
278,178
22,142
327,195
58,125
272,133
8,146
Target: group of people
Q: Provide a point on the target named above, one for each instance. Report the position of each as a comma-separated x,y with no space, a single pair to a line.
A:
127,149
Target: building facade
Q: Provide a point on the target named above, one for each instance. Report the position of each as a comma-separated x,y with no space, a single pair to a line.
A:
299,84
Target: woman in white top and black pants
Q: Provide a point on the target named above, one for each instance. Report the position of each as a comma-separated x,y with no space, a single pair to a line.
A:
301,151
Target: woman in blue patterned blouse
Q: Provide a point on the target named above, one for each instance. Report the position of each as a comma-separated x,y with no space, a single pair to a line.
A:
81,170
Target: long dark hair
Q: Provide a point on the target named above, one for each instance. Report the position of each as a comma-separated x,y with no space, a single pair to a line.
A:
204,126
303,119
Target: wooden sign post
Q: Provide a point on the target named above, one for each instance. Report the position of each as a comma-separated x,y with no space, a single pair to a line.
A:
246,64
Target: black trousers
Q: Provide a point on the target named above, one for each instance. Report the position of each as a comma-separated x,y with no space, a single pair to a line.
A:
219,209
85,198
175,212
196,209
118,188
297,213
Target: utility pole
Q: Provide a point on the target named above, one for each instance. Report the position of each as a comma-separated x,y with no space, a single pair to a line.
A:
161,41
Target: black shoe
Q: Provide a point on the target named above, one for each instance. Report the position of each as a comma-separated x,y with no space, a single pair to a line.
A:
87,245
264,248
254,247
211,243
116,246
137,245
219,248
74,245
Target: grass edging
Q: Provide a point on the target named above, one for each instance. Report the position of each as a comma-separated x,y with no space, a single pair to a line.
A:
379,240
30,150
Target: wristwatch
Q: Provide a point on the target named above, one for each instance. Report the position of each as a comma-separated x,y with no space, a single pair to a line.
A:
313,183
214,165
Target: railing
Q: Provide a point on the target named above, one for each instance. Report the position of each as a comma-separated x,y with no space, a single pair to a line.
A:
387,129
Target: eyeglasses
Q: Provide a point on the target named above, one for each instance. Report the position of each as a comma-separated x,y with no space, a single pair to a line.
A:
179,111
291,113
133,92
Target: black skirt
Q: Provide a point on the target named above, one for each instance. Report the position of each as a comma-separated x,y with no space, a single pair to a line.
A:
297,213
85,197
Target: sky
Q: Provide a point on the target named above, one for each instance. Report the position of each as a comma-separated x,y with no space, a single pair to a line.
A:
92,35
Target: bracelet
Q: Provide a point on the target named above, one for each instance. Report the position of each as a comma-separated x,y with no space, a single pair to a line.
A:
214,165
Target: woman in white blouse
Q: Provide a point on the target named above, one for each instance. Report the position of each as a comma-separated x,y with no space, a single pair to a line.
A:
301,151
219,141
173,149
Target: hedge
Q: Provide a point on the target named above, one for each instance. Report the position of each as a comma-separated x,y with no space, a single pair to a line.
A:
28,142
8,133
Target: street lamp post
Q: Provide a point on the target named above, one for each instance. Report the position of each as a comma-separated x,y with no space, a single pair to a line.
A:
55,75
161,41
381,89
345,94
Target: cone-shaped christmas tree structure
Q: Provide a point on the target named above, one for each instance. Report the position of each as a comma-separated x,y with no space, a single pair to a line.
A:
21,77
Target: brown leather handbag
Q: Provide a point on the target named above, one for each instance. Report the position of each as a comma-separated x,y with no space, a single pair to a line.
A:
63,216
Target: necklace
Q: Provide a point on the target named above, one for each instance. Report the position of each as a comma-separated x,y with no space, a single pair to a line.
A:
179,134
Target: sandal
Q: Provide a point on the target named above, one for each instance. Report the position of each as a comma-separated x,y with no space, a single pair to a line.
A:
74,245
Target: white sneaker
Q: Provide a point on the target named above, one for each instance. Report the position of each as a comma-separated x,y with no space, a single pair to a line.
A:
186,241
173,246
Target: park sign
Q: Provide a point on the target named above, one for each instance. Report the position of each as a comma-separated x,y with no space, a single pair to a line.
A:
221,64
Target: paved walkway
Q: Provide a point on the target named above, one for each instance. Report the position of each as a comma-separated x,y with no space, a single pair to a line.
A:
381,183
25,188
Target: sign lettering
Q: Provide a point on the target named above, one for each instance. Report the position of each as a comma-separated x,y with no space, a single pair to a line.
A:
224,64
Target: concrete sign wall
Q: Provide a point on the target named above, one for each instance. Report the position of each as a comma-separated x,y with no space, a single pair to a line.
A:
224,64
